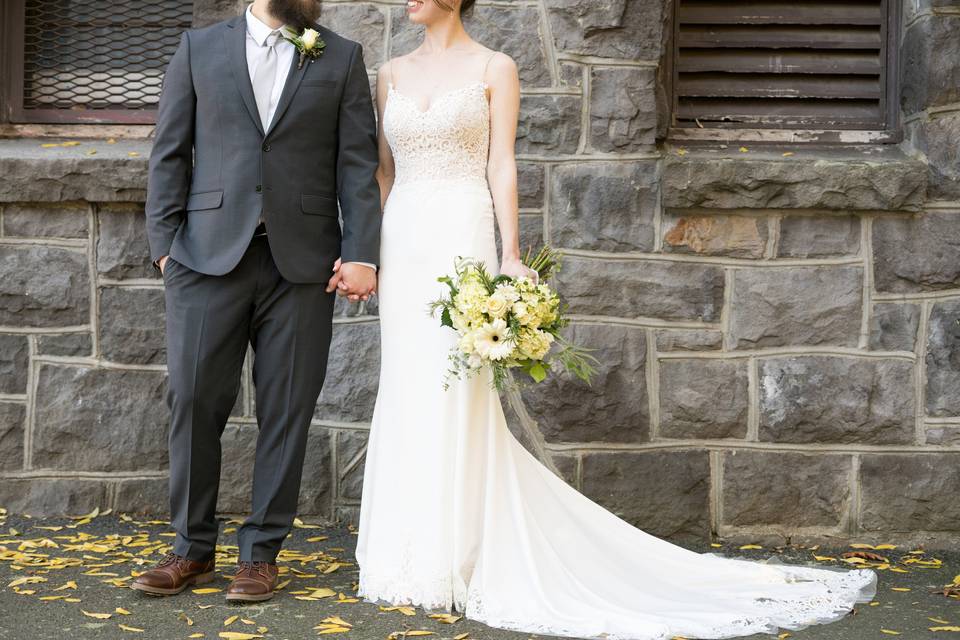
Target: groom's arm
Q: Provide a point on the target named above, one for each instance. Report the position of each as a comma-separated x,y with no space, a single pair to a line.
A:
357,161
171,160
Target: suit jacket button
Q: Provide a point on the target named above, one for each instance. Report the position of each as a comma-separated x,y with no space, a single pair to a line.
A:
266,146
259,188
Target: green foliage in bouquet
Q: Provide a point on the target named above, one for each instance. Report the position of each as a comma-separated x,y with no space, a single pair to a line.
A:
509,323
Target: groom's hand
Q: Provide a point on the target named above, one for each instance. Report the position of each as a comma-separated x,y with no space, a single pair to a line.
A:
353,281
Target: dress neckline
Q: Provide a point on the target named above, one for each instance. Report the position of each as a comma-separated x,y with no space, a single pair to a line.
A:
439,97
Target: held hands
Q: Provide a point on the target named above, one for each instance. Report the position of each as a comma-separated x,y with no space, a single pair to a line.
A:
162,263
515,268
353,281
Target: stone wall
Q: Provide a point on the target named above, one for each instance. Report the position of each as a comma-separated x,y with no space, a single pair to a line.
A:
778,326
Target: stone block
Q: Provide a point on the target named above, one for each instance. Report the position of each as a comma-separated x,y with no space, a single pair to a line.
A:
351,457
614,408
343,308
566,468
132,325
910,492
90,419
363,22
43,286
930,63
943,359
716,235
625,29
145,496
774,307
65,344
12,419
642,288
623,109
785,489
893,326
665,493
943,435
43,497
14,359
818,236
122,249
703,398
47,220
884,181
603,206
68,174
938,137
688,340
920,253
207,12
530,185
548,125
501,28
353,373
830,399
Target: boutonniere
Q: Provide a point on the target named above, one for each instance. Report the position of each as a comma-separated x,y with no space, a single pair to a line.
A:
308,43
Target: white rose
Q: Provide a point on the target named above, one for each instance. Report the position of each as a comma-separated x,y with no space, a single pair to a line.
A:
497,305
309,38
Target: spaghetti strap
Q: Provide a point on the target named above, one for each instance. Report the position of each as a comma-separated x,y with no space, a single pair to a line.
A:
483,78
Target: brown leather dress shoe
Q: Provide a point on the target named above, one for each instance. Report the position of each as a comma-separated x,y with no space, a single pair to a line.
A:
253,582
173,574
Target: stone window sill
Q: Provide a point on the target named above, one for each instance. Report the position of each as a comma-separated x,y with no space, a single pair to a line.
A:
724,177
93,170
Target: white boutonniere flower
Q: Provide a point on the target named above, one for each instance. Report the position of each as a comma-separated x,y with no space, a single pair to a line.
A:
308,44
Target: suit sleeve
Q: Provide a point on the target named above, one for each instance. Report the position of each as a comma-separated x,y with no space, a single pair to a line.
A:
171,159
357,161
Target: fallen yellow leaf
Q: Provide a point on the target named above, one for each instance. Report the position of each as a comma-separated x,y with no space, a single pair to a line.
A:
98,616
236,635
462,636
750,546
900,588
337,620
229,621
939,620
133,629
121,611
890,632
407,611
201,592
948,628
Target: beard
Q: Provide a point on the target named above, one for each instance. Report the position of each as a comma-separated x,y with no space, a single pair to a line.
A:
299,14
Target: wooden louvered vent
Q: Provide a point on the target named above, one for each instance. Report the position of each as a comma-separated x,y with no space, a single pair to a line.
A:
807,64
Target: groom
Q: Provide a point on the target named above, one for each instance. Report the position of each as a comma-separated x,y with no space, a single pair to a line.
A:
252,153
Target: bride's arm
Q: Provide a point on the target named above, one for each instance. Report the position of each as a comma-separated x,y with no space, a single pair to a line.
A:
504,83
385,170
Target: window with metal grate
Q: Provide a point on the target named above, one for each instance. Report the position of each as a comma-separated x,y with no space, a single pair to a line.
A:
90,60
824,65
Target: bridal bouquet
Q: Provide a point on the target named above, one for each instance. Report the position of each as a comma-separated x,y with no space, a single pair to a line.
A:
507,323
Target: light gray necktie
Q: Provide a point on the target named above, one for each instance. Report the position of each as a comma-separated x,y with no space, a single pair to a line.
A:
264,78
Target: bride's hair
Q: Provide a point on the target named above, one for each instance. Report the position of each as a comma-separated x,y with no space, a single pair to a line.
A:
464,6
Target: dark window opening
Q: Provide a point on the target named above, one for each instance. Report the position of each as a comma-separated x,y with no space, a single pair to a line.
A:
89,60
825,65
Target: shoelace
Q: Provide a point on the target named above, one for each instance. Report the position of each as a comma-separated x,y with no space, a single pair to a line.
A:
257,565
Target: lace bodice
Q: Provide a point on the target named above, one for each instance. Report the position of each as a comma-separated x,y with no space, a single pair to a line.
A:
450,140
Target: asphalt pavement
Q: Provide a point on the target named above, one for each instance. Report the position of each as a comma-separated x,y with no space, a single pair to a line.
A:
67,578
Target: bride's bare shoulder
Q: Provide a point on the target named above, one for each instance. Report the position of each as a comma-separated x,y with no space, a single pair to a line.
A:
500,68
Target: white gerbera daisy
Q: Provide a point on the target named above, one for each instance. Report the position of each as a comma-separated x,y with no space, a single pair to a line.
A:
492,341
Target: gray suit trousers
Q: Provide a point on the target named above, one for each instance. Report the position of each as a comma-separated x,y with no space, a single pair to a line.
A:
210,321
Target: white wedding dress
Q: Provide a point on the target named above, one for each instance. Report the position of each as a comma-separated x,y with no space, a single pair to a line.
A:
456,514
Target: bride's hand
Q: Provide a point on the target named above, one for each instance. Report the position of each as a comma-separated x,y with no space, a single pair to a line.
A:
516,269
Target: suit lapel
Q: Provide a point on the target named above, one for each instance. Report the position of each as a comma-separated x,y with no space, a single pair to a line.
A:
235,39
294,76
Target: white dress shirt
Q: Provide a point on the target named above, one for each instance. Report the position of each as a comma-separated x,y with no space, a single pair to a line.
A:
257,33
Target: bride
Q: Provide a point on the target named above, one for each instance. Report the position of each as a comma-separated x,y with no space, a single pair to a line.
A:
455,513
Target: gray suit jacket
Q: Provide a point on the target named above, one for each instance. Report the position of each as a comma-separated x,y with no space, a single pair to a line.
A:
213,169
